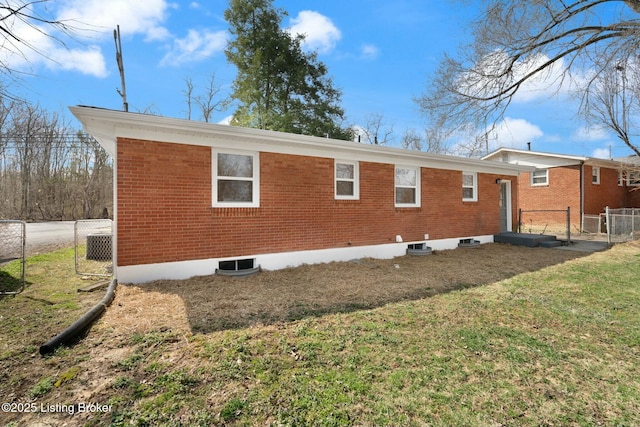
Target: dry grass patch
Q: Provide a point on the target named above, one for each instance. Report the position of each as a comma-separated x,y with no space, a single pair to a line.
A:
546,346
212,303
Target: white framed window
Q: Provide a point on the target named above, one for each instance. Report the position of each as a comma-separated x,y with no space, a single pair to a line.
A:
595,174
469,187
407,187
633,178
620,178
236,179
540,177
347,180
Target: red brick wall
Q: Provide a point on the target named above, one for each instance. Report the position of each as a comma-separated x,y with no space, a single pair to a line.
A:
564,190
608,193
165,212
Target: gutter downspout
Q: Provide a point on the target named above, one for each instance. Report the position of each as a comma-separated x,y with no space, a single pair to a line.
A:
73,332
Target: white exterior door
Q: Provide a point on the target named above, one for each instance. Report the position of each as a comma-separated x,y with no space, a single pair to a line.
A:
505,206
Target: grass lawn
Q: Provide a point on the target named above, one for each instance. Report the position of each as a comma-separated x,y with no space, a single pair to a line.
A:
559,346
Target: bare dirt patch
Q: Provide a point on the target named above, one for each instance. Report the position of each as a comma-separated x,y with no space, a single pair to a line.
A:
212,303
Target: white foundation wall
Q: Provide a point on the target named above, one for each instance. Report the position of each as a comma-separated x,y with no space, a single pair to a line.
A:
180,270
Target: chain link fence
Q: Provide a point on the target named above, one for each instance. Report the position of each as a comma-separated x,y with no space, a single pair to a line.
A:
624,224
12,256
93,247
617,225
546,221
593,224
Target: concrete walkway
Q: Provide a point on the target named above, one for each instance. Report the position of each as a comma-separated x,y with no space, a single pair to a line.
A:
585,246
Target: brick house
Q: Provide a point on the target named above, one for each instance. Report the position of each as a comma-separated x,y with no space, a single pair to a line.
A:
587,185
192,197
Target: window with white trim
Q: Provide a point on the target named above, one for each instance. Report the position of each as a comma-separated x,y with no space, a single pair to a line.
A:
469,187
540,177
633,178
620,178
595,174
236,179
347,185
407,187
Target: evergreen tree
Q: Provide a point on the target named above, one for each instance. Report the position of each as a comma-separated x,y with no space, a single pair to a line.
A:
278,85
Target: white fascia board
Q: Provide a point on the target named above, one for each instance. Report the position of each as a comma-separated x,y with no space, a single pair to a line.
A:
108,125
498,153
549,160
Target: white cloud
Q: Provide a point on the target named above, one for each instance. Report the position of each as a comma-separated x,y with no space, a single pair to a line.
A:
515,133
226,120
89,61
590,133
92,21
319,31
133,17
369,51
601,153
196,46
37,47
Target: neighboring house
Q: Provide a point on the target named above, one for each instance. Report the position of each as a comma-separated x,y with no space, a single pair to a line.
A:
193,197
587,185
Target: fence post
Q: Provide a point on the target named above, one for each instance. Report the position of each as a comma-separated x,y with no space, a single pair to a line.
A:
607,222
568,225
519,220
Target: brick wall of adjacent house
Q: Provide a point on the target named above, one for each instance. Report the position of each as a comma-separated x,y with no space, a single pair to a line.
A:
607,193
165,208
564,190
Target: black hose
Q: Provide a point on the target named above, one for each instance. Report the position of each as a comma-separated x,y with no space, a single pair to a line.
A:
73,331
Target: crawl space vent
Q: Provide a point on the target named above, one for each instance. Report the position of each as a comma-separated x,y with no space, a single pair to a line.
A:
469,243
418,249
237,267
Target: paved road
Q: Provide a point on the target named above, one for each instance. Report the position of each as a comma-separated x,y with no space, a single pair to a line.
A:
40,237
47,235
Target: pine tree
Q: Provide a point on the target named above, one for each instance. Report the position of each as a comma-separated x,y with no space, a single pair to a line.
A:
278,85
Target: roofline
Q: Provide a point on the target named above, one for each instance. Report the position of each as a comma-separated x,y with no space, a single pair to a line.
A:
107,125
537,153
590,160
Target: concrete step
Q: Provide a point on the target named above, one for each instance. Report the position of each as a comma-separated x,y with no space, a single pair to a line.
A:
551,244
523,239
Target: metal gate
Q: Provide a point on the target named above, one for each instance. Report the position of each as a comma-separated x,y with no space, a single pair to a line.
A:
12,253
93,247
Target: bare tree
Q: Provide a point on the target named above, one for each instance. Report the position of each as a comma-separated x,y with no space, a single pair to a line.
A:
48,170
31,15
188,94
614,101
523,42
411,140
208,102
376,131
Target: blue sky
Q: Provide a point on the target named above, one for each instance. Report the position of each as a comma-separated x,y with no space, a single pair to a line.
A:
380,53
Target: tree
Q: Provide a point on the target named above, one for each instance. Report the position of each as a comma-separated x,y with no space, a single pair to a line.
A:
522,42
25,14
48,170
278,85
208,102
375,131
614,101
